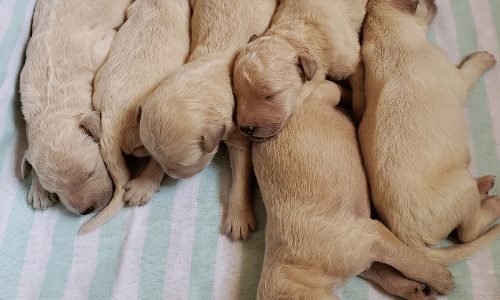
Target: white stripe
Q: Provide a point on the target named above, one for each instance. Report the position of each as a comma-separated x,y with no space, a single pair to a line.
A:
37,255
126,285
9,186
227,269
483,279
374,293
182,231
82,266
446,32
7,90
6,13
487,40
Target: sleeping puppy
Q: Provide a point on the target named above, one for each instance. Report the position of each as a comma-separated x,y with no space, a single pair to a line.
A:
189,113
69,43
307,40
413,129
318,231
151,44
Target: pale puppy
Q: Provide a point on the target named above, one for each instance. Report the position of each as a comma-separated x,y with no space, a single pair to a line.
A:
318,231
186,117
307,40
69,43
414,136
151,44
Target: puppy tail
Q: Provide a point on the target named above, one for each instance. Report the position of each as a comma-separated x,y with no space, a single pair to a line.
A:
103,216
457,253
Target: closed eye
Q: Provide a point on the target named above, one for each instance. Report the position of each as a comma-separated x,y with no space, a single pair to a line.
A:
273,95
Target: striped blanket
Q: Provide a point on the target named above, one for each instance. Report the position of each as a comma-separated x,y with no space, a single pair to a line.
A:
171,248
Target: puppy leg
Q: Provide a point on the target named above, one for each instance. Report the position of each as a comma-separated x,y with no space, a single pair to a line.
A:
476,65
38,197
330,90
139,190
240,218
395,283
479,221
357,81
484,185
391,251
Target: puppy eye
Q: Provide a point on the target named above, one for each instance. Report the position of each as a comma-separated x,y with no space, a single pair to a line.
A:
270,97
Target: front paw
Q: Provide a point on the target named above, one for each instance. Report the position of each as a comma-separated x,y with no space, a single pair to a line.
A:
443,281
239,222
139,191
39,198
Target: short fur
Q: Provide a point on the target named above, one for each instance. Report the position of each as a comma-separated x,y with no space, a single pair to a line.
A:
69,43
414,130
189,113
318,231
151,44
306,41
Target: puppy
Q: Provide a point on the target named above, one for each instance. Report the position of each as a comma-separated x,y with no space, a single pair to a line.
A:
319,232
306,41
151,44
189,113
69,43
414,136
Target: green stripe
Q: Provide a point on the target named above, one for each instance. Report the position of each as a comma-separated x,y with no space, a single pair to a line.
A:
15,243
495,13
154,254
356,288
108,257
61,257
208,220
11,36
253,255
483,139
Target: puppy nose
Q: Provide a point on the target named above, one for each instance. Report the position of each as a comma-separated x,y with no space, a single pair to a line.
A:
248,130
88,211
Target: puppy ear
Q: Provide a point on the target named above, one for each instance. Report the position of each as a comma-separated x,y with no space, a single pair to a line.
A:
212,137
91,123
252,38
25,166
309,66
406,6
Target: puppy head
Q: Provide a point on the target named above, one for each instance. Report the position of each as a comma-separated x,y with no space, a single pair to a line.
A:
269,80
64,153
181,133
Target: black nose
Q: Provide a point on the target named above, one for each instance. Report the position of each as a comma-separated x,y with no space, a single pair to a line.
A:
248,130
88,211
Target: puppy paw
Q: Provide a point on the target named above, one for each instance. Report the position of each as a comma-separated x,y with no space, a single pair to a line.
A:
39,198
485,184
484,58
139,191
239,223
442,281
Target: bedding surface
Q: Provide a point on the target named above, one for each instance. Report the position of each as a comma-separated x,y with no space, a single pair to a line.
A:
172,248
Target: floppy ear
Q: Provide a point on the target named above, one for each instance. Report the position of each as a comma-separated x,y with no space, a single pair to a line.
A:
91,123
252,38
212,137
25,166
406,6
309,66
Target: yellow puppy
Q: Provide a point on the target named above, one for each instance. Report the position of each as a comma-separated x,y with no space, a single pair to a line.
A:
319,232
414,136
186,117
151,44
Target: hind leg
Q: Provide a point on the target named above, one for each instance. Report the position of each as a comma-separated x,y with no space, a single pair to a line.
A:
480,219
476,65
484,185
140,190
391,251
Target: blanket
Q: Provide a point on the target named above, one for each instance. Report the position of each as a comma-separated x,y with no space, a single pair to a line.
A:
172,248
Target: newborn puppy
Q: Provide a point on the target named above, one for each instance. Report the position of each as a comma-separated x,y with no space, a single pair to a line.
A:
151,44
189,113
414,136
69,43
307,40
319,232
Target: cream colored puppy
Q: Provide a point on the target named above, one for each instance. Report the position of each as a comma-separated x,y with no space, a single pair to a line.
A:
319,232
414,136
306,41
151,44
186,117
69,43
